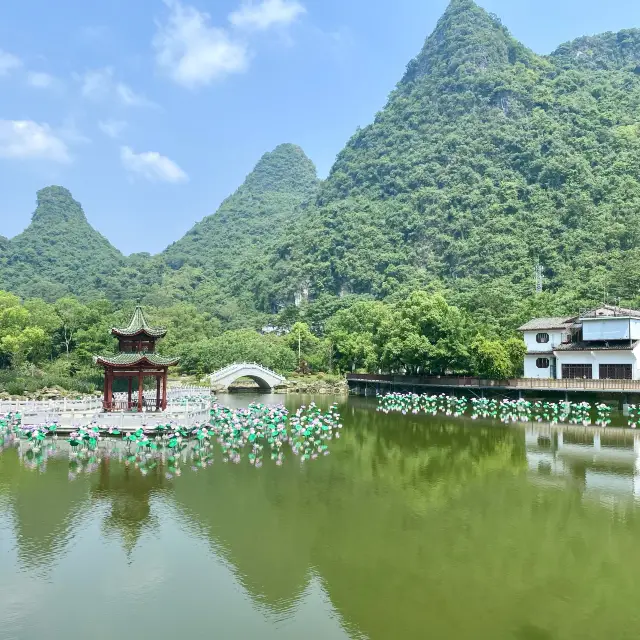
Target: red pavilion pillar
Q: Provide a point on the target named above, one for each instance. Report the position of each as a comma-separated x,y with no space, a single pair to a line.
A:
130,379
164,390
105,405
140,389
109,390
158,405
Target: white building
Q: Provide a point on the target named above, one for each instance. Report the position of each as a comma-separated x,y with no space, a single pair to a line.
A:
603,343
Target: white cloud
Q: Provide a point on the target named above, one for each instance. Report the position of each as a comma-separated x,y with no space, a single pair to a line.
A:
101,85
8,63
192,52
40,80
266,14
112,128
152,166
25,139
129,98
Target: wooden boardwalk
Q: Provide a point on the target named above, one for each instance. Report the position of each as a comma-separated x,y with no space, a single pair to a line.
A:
390,382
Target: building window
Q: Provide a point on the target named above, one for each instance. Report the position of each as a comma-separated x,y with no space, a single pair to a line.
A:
542,338
616,372
577,371
542,363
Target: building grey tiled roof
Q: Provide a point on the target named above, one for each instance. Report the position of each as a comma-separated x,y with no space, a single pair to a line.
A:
599,345
547,324
135,359
608,311
137,326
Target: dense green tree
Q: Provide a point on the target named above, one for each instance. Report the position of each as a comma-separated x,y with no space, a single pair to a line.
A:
242,345
496,359
354,331
28,343
302,342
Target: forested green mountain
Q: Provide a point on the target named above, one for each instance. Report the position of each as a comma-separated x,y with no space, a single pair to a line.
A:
227,246
213,265
487,160
58,253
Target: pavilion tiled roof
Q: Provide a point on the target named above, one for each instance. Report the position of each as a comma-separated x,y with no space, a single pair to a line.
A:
134,359
137,326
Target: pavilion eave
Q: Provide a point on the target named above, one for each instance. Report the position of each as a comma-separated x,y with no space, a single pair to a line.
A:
133,361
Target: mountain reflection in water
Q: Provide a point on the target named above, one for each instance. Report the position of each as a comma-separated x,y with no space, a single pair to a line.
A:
413,527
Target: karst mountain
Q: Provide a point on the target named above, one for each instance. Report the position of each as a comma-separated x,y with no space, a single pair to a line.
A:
487,160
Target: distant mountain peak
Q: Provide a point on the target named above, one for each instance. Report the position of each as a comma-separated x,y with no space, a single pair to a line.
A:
466,37
56,204
285,169
58,253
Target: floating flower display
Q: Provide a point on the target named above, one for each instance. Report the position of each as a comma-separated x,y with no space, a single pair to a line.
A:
634,415
505,410
604,415
249,433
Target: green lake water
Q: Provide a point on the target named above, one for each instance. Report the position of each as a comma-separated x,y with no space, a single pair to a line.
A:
412,527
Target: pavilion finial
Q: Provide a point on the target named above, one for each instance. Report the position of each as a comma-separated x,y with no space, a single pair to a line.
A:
139,325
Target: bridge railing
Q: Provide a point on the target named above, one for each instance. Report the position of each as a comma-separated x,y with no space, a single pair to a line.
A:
244,365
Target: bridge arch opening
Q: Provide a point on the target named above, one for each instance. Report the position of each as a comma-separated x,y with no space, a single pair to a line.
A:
261,382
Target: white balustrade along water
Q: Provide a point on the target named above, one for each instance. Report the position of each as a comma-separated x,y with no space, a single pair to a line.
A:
188,405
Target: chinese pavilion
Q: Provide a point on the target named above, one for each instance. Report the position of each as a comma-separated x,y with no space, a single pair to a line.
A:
137,358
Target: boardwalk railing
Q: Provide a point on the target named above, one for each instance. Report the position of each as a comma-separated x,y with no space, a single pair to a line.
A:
566,384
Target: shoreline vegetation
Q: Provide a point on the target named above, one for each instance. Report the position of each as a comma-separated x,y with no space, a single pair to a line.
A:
45,347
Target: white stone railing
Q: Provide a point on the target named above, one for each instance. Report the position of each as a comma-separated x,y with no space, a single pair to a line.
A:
221,373
89,405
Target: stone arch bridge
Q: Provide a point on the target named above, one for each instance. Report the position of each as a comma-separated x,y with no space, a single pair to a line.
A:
265,378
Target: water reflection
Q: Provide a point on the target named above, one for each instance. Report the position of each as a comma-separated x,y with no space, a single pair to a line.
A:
127,493
602,466
413,527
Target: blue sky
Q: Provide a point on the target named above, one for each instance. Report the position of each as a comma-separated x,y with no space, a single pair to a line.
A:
152,112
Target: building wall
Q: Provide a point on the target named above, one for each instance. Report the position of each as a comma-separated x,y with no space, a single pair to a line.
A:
555,339
532,371
611,329
596,358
